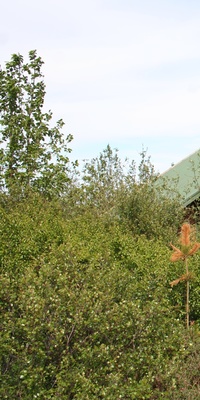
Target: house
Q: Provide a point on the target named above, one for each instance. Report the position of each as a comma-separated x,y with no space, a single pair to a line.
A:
184,180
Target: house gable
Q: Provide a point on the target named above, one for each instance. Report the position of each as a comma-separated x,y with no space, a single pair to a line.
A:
185,178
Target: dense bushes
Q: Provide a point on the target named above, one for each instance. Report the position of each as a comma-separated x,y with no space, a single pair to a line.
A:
86,307
87,311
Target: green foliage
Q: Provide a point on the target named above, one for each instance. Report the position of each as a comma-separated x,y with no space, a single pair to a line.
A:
28,231
86,307
145,212
33,154
186,377
125,194
102,180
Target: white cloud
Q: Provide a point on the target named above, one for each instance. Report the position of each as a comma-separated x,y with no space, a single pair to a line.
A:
112,67
171,113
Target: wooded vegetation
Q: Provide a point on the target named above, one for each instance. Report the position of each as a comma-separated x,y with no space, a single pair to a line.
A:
87,309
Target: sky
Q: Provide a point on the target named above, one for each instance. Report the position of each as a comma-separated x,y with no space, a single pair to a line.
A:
119,72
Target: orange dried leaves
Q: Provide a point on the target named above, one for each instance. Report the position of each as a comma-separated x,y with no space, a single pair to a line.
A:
194,249
184,277
177,254
185,234
188,248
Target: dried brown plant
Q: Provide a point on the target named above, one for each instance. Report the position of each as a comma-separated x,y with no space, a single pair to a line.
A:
188,247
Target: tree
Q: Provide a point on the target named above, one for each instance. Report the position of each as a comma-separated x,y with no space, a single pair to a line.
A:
32,154
122,192
102,179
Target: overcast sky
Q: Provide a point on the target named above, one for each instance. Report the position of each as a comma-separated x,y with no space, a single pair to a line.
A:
123,72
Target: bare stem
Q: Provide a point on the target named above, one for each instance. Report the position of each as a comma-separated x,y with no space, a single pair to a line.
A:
187,297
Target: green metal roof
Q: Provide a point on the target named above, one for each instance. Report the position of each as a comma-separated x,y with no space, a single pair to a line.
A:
185,177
